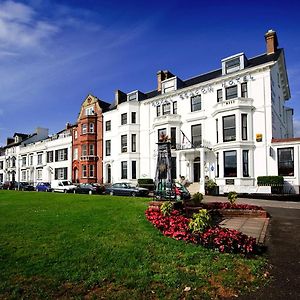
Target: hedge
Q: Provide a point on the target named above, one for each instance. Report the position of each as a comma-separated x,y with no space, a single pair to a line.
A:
270,180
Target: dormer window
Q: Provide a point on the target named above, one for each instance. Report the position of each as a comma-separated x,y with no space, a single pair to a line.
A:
132,96
168,85
233,63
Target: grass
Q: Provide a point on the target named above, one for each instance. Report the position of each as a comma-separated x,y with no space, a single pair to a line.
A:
75,246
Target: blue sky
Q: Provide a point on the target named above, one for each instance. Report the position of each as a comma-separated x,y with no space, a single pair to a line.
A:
53,53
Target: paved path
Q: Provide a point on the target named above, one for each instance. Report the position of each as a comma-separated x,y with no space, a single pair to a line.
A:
254,227
283,243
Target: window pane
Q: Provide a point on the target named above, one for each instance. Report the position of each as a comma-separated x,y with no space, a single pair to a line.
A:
231,92
133,142
124,169
245,163
133,117
123,143
161,133
173,137
166,109
175,107
123,119
244,126
286,162
107,147
196,103
230,166
196,135
219,95
108,125
244,92
133,169
229,128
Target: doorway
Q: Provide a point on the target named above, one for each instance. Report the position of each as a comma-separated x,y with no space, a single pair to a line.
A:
108,174
197,169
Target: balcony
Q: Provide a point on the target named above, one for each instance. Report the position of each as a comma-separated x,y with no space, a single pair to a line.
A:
167,119
231,104
88,158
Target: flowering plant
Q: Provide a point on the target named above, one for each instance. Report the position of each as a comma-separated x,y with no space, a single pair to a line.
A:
176,226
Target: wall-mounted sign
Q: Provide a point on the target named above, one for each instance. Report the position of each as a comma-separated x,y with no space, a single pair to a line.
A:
229,181
259,137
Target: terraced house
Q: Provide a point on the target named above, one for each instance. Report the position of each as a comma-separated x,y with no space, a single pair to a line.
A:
231,125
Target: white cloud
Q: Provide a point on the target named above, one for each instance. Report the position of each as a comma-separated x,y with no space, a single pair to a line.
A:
14,11
20,28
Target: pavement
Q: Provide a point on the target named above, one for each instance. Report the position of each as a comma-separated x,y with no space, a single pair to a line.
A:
254,227
282,238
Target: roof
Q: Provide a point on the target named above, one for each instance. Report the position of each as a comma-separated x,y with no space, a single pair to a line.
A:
104,105
252,62
287,140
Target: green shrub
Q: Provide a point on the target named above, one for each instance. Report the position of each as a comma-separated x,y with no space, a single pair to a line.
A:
232,197
197,198
270,180
166,208
200,221
210,184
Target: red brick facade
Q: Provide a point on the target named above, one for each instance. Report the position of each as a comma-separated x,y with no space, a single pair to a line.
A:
88,142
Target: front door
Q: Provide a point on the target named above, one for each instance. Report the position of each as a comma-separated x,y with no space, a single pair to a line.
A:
197,169
108,174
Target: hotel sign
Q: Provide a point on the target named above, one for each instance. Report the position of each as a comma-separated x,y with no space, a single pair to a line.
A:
259,137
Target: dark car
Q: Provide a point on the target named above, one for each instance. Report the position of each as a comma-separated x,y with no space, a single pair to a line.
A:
43,187
9,185
126,189
24,186
89,188
172,192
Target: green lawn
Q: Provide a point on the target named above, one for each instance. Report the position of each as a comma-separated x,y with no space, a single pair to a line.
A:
75,246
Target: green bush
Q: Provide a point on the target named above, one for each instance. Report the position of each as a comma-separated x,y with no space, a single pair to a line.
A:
210,184
166,208
232,197
197,198
200,221
270,180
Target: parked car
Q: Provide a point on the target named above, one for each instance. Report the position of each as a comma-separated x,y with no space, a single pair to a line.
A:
89,188
63,186
43,187
172,191
24,186
9,185
126,189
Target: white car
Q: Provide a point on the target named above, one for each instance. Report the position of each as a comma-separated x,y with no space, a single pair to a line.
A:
63,186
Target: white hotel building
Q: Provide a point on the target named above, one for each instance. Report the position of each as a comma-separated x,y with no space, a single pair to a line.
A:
231,125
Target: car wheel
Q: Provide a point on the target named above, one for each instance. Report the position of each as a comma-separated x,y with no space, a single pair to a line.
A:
65,191
133,194
111,193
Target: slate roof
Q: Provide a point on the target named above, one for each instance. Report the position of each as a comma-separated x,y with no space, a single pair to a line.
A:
252,62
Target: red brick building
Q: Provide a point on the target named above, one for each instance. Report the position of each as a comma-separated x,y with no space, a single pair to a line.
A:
88,142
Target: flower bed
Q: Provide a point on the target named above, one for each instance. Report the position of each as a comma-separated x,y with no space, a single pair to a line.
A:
176,226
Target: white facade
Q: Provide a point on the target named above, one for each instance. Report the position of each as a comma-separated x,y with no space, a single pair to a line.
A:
221,125
39,160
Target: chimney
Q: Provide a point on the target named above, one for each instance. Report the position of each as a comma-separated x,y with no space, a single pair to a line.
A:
161,76
271,41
